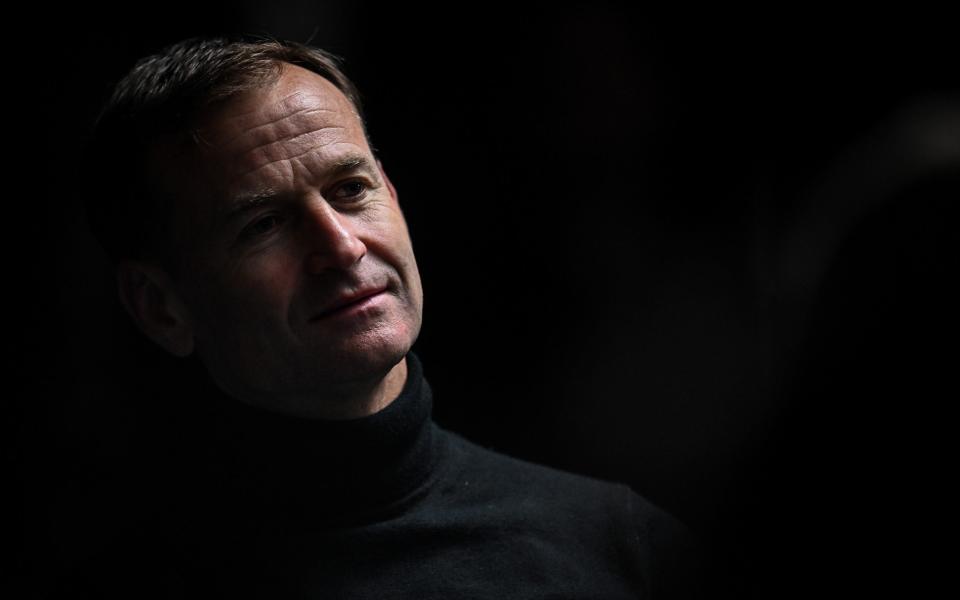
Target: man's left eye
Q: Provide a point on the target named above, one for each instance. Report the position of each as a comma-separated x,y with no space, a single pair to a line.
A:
351,190
261,227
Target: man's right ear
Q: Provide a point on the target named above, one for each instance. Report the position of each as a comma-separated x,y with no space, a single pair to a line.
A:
148,294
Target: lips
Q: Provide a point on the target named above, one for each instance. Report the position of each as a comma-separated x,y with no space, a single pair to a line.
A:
347,300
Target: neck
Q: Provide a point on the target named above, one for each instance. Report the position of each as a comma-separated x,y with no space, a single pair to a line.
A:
352,400
334,469
362,400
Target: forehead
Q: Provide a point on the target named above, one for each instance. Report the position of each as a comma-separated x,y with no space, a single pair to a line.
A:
278,140
299,114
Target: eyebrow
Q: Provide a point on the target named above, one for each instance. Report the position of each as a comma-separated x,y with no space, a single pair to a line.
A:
245,202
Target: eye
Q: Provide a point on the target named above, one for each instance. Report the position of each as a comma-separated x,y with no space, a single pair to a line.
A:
350,191
261,226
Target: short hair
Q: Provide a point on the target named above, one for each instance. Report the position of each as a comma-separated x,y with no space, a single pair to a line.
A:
163,95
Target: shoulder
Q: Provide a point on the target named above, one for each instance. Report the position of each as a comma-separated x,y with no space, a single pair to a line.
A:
499,475
605,521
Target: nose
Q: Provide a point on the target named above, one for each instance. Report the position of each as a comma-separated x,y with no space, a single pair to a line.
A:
331,241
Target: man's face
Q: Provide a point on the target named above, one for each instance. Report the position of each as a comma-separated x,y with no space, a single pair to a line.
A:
299,276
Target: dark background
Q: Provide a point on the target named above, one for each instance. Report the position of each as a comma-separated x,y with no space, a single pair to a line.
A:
709,254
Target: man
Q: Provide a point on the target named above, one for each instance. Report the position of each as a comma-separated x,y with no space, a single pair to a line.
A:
254,228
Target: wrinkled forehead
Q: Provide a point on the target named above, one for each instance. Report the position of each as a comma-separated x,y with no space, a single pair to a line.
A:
299,113
249,142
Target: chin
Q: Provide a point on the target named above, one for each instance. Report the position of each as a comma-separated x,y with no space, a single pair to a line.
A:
366,366
374,352
300,371
368,362
358,359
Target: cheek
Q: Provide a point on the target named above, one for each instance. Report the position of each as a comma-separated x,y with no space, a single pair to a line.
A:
258,292
388,233
398,252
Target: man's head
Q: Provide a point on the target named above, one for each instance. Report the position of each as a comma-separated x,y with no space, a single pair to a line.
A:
255,227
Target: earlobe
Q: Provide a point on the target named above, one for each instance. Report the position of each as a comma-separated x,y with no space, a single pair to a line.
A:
148,295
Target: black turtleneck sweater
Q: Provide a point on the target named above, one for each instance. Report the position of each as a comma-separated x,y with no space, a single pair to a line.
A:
388,506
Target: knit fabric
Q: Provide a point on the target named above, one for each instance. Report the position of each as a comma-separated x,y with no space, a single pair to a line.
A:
389,506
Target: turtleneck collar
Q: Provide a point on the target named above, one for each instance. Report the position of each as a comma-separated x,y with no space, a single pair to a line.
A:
326,471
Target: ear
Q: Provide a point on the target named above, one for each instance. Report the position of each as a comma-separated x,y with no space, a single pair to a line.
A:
148,294
393,190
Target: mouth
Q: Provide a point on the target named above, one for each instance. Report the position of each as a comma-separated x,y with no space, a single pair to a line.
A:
350,303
